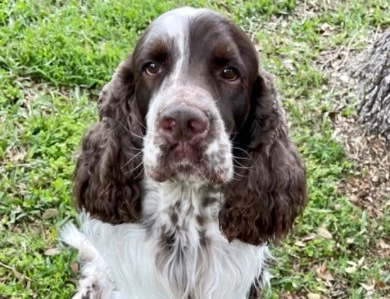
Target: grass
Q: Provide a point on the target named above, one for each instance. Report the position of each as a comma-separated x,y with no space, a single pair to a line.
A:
54,57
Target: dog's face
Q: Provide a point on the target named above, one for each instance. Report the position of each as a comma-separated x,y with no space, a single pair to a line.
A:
194,72
191,104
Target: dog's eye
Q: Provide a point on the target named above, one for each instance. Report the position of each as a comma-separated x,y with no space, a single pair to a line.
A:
152,68
230,74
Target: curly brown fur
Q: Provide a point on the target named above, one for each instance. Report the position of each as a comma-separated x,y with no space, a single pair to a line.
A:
270,187
189,119
109,168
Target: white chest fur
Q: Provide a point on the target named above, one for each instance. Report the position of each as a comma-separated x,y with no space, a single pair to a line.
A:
178,250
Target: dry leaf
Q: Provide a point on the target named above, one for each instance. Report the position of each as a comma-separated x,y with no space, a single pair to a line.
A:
337,207
51,251
368,287
299,244
380,284
327,276
350,269
308,238
322,268
288,64
18,156
332,115
344,78
323,273
313,296
49,213
325,26
361,262
74,267
323,232
18,275
326,30
383,244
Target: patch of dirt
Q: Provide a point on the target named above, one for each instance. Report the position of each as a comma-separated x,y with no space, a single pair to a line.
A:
368,185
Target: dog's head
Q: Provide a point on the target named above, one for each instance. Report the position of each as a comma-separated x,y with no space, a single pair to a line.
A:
191,103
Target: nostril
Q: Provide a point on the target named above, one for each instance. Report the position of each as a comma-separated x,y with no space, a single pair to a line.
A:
183,123
198,125
167,124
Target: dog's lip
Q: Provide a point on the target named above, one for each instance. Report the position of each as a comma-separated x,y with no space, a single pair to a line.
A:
186,161
183,151
179,159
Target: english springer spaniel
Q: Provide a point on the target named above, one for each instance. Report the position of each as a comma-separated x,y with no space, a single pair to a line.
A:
190,171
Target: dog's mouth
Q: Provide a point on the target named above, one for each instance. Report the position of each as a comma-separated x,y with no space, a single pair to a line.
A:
187,162
181,159
184,153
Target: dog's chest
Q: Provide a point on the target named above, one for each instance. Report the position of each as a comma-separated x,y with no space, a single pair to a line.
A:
196,264
178,250
189,255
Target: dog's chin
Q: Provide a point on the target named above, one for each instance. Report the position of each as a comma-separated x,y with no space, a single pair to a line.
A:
186,172
187,163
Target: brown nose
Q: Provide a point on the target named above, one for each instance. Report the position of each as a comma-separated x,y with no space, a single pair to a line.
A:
184,123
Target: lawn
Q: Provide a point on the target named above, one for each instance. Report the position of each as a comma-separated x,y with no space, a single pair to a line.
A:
56,55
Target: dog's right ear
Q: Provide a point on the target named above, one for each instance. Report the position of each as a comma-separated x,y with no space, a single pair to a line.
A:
270,191
109,172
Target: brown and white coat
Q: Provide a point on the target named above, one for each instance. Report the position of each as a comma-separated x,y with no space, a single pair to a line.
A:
190,170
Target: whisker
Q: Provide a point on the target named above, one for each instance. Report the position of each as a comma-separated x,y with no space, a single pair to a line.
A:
233,135
134,134
236,162
136,148
244,151
218,99
160,144
135,156
140,173
241,158
239,175
243,167
236,159
141,124
135,168
238,165
233,179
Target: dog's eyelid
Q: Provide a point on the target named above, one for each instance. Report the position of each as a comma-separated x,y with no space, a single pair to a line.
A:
230,73
152,68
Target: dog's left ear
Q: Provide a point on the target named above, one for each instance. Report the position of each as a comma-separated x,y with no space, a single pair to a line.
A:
269,188
108,177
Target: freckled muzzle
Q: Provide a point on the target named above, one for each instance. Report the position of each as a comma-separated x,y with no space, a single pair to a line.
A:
188,138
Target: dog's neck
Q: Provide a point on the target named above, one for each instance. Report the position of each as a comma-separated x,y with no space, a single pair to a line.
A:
183,206
177,249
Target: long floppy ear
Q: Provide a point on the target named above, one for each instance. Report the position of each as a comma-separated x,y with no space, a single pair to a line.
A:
108,175
269,188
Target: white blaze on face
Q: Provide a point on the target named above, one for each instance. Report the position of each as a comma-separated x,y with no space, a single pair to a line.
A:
175,25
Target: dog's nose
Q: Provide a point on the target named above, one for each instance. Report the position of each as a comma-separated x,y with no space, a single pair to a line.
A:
184,123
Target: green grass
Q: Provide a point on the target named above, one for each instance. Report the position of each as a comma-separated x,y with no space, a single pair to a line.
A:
54,57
